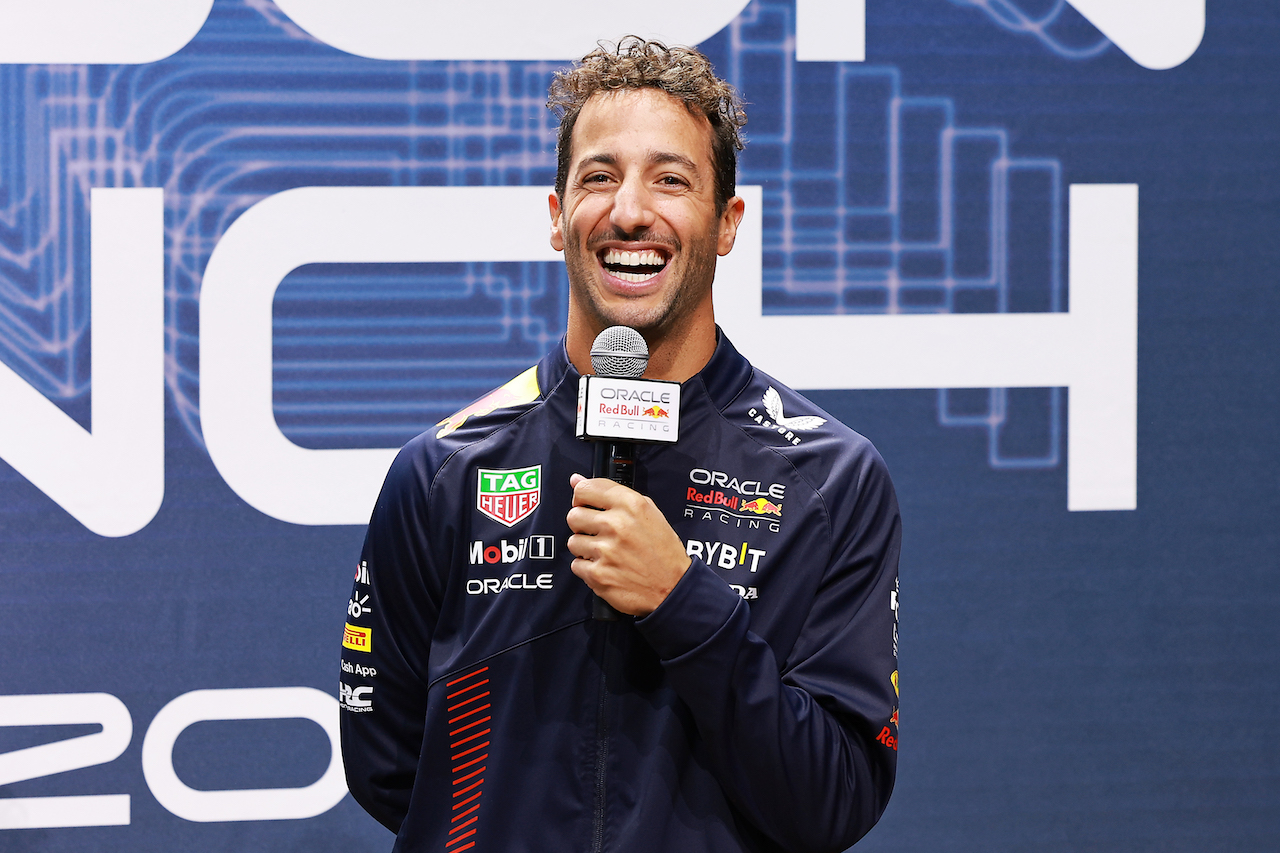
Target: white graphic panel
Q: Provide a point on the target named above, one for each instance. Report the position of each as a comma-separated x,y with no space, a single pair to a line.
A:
501,29
97,32
111,479
1156,34
831,30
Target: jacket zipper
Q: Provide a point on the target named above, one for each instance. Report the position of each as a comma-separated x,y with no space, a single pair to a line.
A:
602,744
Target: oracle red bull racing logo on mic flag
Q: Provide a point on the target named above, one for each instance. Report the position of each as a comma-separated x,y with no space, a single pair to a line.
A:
611,407
508,496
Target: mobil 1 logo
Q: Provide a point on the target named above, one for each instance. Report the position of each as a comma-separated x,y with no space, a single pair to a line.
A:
512,551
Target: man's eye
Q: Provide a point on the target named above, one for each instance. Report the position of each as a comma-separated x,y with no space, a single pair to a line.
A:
673,181
599,178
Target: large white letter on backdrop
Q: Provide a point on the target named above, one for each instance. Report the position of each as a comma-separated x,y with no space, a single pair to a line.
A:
1092,349
97,32
49,759
111,479
327,225
247,703
1156,34
831,30
501,29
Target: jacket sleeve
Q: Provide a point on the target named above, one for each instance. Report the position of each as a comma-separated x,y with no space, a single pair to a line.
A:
397,595
804,748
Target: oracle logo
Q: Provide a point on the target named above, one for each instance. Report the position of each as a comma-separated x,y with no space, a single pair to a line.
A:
520,580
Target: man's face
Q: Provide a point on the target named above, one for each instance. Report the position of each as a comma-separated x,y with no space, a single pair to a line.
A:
638,224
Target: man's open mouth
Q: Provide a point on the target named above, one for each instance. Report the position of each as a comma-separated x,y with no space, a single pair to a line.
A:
634,267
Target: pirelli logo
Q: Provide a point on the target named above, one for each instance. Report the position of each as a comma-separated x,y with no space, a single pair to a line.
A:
357,639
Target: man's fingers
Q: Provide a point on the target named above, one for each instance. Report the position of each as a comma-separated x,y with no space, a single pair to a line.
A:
586,519
586,572
624,549
598,492
584,546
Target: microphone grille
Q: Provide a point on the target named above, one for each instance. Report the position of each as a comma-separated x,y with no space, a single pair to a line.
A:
619,352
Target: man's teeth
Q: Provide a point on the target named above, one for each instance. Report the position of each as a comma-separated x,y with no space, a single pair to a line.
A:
634,267
634,277
646,258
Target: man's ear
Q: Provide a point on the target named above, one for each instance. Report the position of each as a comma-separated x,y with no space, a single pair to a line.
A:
729,222
557,232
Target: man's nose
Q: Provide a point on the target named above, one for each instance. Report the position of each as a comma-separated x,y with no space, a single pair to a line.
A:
632,207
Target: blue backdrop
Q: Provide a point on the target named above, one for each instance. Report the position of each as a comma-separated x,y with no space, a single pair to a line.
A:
1070,680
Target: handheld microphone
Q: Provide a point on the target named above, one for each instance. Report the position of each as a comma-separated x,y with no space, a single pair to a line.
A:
617,409
619,352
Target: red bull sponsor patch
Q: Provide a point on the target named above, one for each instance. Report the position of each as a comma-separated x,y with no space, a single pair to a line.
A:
509,495
739,502
713,497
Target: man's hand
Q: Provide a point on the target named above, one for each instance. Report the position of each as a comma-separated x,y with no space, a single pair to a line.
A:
624,548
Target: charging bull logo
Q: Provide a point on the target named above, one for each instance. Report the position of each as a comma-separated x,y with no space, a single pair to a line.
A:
760,506
655,412
887,736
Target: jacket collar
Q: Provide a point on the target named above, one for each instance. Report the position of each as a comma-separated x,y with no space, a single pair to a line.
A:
722,378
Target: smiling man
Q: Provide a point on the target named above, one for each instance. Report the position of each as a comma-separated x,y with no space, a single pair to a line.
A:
640,216
747,701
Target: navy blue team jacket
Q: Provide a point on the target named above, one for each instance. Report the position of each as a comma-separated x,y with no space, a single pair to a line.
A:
756,709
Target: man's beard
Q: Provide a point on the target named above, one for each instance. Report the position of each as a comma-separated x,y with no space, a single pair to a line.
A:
679,299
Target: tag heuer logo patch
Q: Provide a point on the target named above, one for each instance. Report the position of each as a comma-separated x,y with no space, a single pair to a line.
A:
509,496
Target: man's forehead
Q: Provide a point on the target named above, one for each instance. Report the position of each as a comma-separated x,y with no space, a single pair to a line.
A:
605,114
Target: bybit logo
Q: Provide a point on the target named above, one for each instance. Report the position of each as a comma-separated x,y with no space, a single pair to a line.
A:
724,555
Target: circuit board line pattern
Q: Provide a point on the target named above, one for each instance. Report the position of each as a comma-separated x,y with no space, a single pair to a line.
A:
876,201
1059,28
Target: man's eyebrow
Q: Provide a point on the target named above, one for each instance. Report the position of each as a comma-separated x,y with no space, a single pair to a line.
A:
601,159
660,157
656,158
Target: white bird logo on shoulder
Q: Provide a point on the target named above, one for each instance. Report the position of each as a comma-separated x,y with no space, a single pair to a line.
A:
773,405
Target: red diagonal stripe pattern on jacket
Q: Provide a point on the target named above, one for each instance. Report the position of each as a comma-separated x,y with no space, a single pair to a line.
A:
468,703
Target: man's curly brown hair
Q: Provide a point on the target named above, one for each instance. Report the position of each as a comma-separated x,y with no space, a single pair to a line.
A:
682,72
